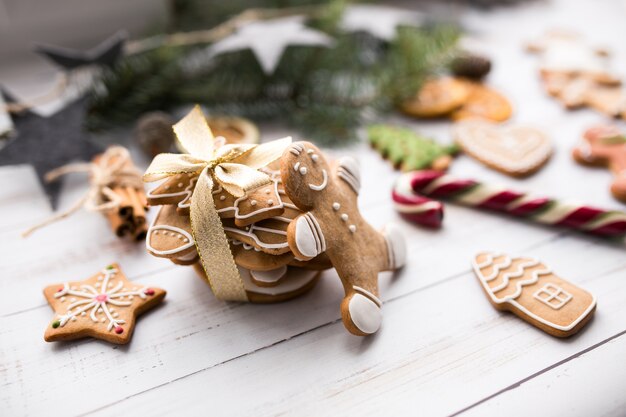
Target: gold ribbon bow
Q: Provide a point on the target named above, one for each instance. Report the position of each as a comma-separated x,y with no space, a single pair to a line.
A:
232,166
111,169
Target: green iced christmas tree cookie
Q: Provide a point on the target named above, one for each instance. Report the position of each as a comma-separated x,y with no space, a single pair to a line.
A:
409,150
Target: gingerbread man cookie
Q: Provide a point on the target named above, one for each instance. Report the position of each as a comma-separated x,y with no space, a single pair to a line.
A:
331,224
605,146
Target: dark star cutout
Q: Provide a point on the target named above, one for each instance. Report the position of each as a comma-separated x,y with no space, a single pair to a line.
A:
49,142
105,54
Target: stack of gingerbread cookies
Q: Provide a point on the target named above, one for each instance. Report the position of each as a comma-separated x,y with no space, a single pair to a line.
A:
283,234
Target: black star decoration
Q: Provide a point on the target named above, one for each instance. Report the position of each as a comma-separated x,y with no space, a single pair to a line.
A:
104,54
49,142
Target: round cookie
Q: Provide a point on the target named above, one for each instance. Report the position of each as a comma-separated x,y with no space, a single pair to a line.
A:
483,102
436,98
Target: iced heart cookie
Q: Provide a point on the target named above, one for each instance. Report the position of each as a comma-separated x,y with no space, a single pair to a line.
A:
103,306
517,150
483,103
530,290
436,98
605,146
331,224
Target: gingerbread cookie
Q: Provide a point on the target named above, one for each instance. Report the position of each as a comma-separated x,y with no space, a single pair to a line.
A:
169,236
408,150
331,224
483,103
103,306
436,98
605,146
530,290
516,150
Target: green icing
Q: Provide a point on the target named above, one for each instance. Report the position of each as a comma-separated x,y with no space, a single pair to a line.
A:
56,324
405,148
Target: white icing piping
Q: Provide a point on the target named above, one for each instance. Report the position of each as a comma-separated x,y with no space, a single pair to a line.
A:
349,178
321,186
368,294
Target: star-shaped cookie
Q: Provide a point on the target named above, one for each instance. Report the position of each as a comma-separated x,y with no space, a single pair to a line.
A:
104,306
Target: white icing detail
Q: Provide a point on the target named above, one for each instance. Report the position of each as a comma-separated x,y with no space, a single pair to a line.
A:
188,243
352,228
309,151
269,277
348,170
235,206
319,234
336,206
222,198
186,194
249,232
303,170
270,202
294,279
188,257
90,298
315,157
253,203
550,292
477,267
368,294
364,313
344,217
305,238
321,186
296,166
396,246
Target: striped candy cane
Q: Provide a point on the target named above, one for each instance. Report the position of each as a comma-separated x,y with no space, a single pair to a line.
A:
543,210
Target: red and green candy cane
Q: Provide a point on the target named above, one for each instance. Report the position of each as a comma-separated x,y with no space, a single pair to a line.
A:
416,188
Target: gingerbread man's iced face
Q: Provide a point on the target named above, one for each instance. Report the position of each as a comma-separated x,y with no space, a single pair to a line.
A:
313,173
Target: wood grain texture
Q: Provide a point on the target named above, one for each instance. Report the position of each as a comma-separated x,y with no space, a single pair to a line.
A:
443,350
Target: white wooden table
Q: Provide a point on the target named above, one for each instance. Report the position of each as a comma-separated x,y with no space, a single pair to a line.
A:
443,350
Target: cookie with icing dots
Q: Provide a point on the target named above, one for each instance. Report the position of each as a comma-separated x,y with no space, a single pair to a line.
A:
175,190
514,150
331,224
249,257
530,290
104,306
605,146
169,236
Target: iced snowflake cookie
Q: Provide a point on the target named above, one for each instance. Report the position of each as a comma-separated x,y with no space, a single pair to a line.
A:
514,150
103,306
530,290
605,146
331,224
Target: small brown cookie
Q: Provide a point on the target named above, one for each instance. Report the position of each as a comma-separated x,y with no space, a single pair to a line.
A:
608,100
174,190
247,256
517,150
605,146
530,290
319,263
269,236
103,306
483,103
332,224
169,236
234,129
436,98
258,204
294,283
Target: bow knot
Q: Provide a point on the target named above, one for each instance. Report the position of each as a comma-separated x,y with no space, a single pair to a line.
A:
234,167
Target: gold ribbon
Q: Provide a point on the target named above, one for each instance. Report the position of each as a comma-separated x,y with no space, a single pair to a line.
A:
232,166
111,169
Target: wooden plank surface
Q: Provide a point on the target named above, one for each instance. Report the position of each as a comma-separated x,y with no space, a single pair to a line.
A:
442,350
